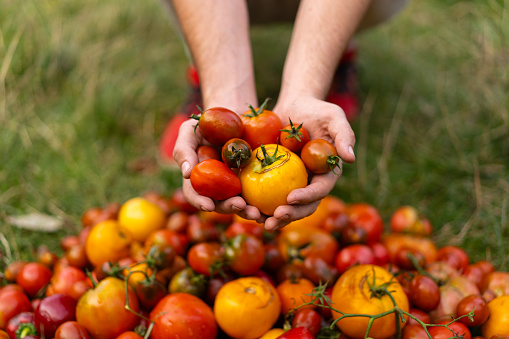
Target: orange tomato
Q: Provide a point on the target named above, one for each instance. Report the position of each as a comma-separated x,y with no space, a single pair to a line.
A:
107,241
273,333
141,217
327,206
294,293
498,322
396,242
129,335
354,293
303,242
247,307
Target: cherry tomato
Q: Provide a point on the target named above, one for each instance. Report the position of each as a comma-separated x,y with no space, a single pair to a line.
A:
261,126
63,279
367,217
406,219
205,152
219,124
214,179
320,156
236,228
236,153
245,254
294,138
33,277
188,281
317,270
129,335
454,255
299,242
353,255
424,293
294,293
455,330
478,305
52,312
107,241
205,257
71,329
166,237
297,333
309,319
149,291
199,230
419,314
414,331
77,256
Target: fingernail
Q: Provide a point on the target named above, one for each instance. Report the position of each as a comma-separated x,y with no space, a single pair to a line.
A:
185,167
350,150
294,202
204,209
284,217
236,208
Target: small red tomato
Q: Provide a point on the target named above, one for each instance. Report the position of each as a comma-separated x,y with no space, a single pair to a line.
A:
356,254
205,152
297,333
205,257
455,330
236,153
219,124
215,180
424,293
309,319
455,256
12,302
320,156
261,126
245,254
71,329
473,303
294,138
33,277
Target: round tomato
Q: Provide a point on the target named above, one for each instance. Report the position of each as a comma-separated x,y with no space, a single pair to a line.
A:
245,254
214,179
261,126
166,237
309,319
294,293
320,156
141,217
236,153
365,289
129,335
368,218
271,174
473,303
406,219
219,124
498,322
12,302
247,307
182,316
33,277
353,255
205,152
455,330
71,329
52,312
294,138
455,256
204,257
107,241
424,293
299,243
396,242
188,281
102,310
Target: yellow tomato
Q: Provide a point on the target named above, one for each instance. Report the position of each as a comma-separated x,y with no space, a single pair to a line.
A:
355,293
247,307
267,187
272,333
327,206
107,241
141,217
498,322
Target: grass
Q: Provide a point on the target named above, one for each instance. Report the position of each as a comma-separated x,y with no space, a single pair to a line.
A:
86,89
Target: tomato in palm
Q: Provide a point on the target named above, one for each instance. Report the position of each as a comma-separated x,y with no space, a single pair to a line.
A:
261,126
102,310
247,307
33,277
71,329
271,174
182,316
204,257
360,290
320,156
205,152
294,138
214,179
236,153
219,124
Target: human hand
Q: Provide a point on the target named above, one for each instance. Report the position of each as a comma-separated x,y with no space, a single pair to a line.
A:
322,120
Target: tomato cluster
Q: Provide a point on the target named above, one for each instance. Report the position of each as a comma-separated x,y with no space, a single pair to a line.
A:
156,267
254,155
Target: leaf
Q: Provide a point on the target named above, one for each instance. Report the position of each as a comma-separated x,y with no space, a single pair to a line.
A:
36,222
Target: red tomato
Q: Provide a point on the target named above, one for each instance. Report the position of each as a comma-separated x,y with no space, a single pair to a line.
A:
199,230
454,255
456,330
245,254
215,180
52,312
309,319
179,200
320,156
205,152
419,314
473,303
166,237
63,279
219,124
297,333
367,217
129,335
353,255
406,219
300,242
71,329
182,316
317,270
237,228
17,320
294,138
236,153
414,331
261,126
205,257
424,293
33,277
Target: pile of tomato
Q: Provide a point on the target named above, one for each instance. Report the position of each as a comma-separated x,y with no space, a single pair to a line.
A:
155,267
253,155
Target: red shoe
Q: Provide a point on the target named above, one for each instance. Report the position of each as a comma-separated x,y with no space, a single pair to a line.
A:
169,136
344,85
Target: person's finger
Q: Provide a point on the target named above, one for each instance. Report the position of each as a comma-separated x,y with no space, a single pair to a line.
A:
285,214
320,186
231,205
185,148
344,138
199,201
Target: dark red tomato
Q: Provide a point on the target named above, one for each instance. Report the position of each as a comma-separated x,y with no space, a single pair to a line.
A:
236,153
214,179
456,330
335,223
424,293
478,305
407,257
297,333
273,258
33,277
161,256
165,237
71,329
261,126
381,254
219,124
294,138
356,254
317,270
52,312
413,331
205,258
454,256
76,256
320,156
184,316
353,234
205,152
237,228
419,314
149,291
309,319
214,284
367,217
188,281
245,254
22,318
199,230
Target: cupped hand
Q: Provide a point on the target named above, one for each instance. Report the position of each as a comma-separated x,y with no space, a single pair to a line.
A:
185,155
322,120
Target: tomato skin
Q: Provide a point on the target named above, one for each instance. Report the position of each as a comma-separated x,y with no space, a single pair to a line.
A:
140,217
318,154
214,179
129,335
290,136
182,316
395,242
406,219
303,242
367,217
261,126
71,329
33,277
268,187
351,294
247,307
424,293
219,124
454,255
107,301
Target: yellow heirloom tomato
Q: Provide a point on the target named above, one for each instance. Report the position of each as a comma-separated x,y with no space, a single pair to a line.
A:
271,174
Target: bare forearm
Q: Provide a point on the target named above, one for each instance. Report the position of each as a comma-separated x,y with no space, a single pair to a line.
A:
321,33
217,33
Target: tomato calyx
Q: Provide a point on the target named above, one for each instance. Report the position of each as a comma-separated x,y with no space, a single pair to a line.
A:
293,132
256,112
196,117
268,159
238,155
333,161
26,329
